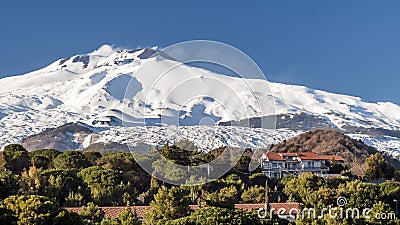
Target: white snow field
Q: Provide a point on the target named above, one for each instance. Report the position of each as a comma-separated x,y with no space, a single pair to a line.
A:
90,88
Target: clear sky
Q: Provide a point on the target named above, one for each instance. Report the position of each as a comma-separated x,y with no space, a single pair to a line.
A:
342,46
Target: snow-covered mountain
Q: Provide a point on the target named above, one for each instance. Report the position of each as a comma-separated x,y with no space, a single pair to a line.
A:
90,89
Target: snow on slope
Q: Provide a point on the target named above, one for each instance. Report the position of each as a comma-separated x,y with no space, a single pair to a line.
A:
205,137
91,88
340,109
387,144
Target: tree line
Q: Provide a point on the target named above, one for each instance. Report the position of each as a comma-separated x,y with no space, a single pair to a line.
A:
37,186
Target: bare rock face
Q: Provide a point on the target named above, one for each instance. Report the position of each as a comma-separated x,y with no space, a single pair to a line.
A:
66,137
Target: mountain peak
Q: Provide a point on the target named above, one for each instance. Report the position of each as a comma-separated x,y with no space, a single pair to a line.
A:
91,88
104,50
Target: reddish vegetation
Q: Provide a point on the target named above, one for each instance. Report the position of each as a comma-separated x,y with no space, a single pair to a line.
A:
328,142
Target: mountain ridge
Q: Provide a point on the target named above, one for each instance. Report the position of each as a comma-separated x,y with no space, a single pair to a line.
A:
89,88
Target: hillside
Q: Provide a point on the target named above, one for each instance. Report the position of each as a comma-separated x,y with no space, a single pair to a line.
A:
325,142
328,141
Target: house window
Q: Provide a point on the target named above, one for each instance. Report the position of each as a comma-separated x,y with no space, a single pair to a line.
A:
274,165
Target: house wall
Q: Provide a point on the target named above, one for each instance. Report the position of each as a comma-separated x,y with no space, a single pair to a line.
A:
280,169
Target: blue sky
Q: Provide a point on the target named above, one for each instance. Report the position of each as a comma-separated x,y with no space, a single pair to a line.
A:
350,47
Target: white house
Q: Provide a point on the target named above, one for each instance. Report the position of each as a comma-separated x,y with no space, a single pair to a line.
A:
278,165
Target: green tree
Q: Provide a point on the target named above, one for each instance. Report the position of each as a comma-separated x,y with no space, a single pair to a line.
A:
43,158
176,154
40,161
378,168
214,215
121,161
243,163
225,197
257,179
192,185
7,217
169,171
34,209
125,161
147,196
302,186
379,215
92,214
110,221
223,193
8,184
92,156
16,158
254,194
107,186
389,191
71,160
359,195
65,217
168,204
64,186
76,199
127,217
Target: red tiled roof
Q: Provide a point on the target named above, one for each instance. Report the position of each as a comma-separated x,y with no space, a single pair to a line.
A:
285,208
282,208
113,212
275,156
290,154
309,156
330,157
